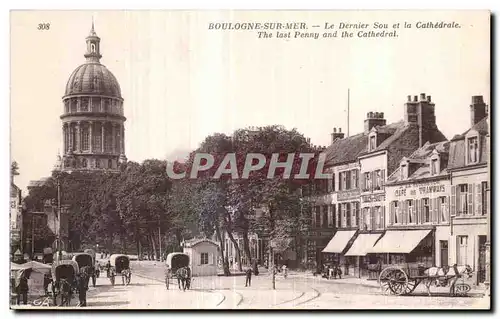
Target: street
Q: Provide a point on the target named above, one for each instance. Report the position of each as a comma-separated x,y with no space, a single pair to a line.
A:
147,291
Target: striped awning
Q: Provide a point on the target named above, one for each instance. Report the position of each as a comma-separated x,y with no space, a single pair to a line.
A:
339,241
363,244
400,241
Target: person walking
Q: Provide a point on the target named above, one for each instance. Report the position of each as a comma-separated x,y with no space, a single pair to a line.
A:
248,277
82,289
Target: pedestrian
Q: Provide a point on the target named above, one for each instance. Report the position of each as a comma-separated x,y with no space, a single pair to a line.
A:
108,267
82,289
22,288
248,277
47,279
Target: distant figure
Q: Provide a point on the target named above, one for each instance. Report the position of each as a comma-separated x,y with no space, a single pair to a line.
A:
248,277
22,289
108,267
47,279
285,271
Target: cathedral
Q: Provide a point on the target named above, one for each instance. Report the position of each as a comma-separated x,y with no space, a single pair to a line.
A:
92,121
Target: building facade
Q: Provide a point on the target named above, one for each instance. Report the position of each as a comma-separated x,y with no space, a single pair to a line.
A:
469,198
93,119
417,207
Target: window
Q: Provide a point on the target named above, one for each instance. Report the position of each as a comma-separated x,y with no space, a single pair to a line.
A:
354,214
395,212
443,212
379,218
343,181
378,180
462,208
411,211
85,138
426,214
368,182
462,242
473,149
434,166
354,183
84,105
333,182
318,216
484,198
204,259
110,163
331,215
373,142
92,47
366,218
343,213
97,163
324,222
404,171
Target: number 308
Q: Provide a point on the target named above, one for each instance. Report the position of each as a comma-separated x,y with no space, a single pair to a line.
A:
43,26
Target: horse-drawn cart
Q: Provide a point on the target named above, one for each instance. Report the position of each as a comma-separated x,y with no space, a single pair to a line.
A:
403,279
174,263
120,264
64,276
86,262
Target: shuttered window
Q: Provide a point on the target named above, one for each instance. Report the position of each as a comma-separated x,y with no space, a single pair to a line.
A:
426,211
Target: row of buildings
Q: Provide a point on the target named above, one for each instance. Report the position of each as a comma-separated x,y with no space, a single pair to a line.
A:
402,192
399,193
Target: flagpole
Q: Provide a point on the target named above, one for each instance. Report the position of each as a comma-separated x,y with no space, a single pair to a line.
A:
348,102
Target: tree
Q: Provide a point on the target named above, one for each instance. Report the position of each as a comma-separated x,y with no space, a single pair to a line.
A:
14,169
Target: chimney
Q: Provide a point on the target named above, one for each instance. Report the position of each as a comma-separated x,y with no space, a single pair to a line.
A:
421,112
374,119
337,135
477,110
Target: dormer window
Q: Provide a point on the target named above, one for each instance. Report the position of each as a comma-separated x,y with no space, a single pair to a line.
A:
372,142
473,150
435,164
404,170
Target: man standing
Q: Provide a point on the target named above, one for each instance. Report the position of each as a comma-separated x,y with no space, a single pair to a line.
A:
248,275
22,288
82,289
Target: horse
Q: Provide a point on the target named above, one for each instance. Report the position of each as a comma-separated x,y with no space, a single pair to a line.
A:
441,275
126,274
182,277
65,292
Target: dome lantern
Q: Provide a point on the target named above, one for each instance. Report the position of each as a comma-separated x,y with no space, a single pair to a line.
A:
93,53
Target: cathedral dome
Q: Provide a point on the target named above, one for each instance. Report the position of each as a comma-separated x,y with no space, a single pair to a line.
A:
94,79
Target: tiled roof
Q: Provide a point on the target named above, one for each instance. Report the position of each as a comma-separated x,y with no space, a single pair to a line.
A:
14,190
423,154
396,130
458,147
346,149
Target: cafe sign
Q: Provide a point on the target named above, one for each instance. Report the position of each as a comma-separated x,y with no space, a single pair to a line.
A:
421,190
373,198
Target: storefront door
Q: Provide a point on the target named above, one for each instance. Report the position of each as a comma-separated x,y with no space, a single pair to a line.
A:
443,248
462,242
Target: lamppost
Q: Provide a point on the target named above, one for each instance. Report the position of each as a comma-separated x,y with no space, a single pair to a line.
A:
34,214
59,248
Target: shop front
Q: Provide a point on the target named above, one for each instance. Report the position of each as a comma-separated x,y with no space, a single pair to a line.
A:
366,264
407,246
334,250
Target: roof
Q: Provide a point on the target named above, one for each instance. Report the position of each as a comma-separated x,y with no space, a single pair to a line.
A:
458,145
395,130
14,190
423,155
346,149
480,127
194,242
93,79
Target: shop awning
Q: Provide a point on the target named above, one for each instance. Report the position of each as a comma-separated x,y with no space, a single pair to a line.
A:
363,244
339,241
400,241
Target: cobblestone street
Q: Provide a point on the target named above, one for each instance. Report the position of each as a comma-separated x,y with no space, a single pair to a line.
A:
147,290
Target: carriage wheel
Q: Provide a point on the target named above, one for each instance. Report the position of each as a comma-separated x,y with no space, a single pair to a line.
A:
393,280
411,286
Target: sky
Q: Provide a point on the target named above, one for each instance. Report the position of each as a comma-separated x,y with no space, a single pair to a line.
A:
181,81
